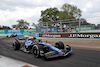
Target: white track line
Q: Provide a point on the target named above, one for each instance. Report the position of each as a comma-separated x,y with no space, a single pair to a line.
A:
9,62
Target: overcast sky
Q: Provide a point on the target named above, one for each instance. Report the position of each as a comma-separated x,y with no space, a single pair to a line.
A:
30,10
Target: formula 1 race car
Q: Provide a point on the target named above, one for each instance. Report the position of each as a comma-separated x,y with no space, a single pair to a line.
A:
39,48
12,35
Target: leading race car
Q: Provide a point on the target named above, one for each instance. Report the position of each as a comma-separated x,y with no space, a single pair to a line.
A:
12,35
39,48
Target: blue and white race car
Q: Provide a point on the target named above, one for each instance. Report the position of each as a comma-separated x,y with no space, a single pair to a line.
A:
39,48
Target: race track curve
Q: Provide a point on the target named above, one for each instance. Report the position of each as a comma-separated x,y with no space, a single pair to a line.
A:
78,58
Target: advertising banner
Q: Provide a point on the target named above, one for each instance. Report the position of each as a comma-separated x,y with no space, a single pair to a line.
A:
44,29
83,28
14,31
26,33
37,34
2,31
71,35
18,31
29,30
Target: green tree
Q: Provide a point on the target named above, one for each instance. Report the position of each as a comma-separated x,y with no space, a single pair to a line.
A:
69,12
15,26
53,14
21,24
48,15
5,27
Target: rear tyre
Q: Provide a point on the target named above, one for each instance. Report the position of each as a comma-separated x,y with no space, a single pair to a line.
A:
59,45
16,46
7,36
46,49
16,34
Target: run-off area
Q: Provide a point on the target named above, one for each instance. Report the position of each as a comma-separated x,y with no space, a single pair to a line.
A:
9,62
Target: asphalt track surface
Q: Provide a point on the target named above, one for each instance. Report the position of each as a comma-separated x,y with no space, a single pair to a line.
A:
78,58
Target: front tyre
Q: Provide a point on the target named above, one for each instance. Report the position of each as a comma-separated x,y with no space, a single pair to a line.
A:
46,49
36,51
68,47
59,45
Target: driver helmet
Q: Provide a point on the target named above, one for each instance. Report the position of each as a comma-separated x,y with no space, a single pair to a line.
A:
12,33
33,37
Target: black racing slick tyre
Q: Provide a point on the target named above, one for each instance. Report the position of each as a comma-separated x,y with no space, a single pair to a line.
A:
46,49
68,47
59,45
7,36
36,50
16,46
16,35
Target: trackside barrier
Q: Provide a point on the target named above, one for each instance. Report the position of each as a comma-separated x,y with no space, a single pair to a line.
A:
18,32
36,34
71,35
